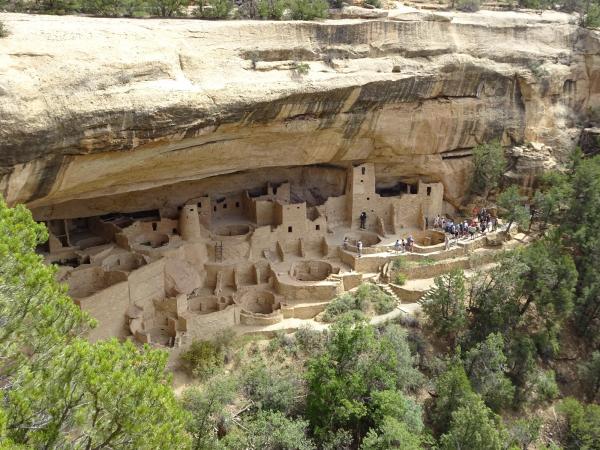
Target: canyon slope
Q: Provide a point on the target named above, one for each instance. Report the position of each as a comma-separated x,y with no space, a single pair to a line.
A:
104,115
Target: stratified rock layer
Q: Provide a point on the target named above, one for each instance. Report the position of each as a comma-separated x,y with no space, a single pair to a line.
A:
104,115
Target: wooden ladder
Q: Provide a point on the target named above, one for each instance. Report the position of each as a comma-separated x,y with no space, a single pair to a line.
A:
219,251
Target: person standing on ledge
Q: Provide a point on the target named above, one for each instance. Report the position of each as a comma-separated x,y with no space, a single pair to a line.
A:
363,220
397,246
359,246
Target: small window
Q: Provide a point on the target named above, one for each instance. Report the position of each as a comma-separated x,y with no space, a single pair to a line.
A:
428,190
215,208
224,205
175,231
362,181
317,227
363,170
199,204
237,204
191,209
368,198
154,226
289,229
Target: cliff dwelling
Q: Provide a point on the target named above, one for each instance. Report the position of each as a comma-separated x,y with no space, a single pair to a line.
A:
252,257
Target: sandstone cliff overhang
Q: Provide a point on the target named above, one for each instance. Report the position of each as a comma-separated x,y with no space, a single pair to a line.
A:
96,111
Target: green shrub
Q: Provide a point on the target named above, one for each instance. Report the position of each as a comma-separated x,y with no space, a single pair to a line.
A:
583,423
383,303
301,68
310,340
283,341
215,9
375,3
400,263
3,30
489,162
271,388
400,279
545,387
468,5
308,9
165,8
359,302
592,17
343,304
203,358
426,261
534,4
271,9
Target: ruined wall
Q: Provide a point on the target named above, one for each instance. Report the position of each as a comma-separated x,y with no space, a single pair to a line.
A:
109,308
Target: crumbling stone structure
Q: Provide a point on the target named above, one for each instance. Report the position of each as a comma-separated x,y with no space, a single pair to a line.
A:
241,258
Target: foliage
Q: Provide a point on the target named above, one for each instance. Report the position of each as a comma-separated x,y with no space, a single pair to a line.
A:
301,68
168,8
343,304
473,426
391,434
524,432
343,381
580,229
400,262
408,378
308,9
489,162
271,388
271,9
102,395
400,279
512,209
394,404
374,3
310,340
545,387
111,8
485,365
501,297
592,16
57,6
468,5
589,373
203,358
3,30
36,312
366,297
583,424
426,261
551,197
445,305
206,408
453,390
270,430
214,9
526,299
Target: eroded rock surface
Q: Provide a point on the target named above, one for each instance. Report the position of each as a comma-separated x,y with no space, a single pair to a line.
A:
106,115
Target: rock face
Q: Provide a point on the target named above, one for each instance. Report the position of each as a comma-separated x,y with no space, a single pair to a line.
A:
106,115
